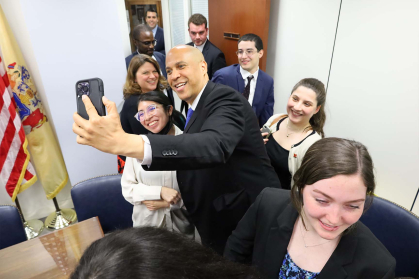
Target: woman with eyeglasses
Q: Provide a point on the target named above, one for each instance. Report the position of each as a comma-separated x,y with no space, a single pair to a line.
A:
294,132
155,194
143,76
313,231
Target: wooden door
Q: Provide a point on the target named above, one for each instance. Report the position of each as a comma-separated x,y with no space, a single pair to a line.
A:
137,10
238,17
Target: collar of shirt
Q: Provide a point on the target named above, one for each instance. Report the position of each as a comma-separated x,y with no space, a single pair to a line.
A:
245,74
196,101
154,31
201,47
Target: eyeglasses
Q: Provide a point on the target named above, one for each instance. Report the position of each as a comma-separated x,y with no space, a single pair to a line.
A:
150,110
147,43
249,52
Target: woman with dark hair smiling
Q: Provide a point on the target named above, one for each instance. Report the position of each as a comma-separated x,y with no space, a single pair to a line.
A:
294,132
155,194
143,76
313,231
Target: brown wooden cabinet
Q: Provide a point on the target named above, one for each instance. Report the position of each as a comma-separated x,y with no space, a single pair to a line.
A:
238,17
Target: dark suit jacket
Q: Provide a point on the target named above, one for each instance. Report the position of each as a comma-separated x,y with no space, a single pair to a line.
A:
161,59
213,56
221,162
263,101
264,233
160,41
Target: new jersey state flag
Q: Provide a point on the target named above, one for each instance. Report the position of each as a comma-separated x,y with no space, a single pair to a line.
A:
45,152
16,171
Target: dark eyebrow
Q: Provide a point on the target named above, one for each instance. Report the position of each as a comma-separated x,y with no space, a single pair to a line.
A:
327,196
177,64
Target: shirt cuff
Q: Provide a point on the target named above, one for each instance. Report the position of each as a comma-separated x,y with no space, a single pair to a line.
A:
148,153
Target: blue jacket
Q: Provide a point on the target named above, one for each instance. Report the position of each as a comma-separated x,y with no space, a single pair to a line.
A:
160,41
263,100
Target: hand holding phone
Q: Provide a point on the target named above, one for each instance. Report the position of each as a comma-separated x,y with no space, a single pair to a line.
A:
93,88
266,129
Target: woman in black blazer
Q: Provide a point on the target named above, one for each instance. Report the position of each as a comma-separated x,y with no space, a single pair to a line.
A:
143,76
313,231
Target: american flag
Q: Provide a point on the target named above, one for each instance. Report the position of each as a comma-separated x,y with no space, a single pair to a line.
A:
16,171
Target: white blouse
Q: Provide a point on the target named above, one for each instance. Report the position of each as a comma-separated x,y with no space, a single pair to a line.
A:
139,185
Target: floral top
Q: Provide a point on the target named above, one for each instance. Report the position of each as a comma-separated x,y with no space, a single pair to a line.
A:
289,270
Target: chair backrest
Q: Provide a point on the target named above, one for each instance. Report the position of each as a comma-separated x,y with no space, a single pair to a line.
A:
398,229
12,230
102,196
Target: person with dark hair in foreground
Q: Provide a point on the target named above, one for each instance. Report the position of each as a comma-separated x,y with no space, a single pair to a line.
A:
150,253
313,231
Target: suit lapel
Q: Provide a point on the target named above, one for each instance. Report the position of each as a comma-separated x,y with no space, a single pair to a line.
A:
343,255
205,50
209,87
240,80
278,240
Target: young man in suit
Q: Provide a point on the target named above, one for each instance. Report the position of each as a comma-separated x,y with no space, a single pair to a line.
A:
220,159
145,42
259,91
198,31
152,19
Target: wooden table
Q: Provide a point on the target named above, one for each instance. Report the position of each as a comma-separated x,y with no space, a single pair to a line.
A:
53,255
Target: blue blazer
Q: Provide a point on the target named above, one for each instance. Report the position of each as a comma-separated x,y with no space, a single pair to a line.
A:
161,59
160,41
263,100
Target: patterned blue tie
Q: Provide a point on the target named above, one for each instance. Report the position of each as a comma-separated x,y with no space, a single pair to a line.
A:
189,115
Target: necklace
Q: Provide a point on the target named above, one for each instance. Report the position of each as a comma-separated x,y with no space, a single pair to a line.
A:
305,245
288,122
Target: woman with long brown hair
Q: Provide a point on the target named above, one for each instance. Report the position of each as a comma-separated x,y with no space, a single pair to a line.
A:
294,132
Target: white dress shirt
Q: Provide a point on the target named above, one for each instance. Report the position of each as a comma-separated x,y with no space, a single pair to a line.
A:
253,82
201,47
154,30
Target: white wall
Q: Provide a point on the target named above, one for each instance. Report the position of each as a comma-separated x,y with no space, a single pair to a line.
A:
63,42
33,201
374,82
374,90
301,34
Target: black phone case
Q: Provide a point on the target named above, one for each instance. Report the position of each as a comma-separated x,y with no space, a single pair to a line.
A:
96,93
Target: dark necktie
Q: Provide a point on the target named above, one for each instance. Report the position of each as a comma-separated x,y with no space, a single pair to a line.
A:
188,116
246,91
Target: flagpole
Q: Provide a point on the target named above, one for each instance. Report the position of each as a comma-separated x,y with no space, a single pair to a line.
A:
32,227
61,218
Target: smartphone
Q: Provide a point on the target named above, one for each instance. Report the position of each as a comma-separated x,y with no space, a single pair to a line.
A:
266,129
94,89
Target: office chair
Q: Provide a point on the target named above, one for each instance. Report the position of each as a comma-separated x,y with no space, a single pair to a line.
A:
398,230
102,196
11,226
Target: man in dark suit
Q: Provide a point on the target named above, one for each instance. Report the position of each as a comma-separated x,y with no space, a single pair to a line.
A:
220,159
145,42
259,91
152,19
198,31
